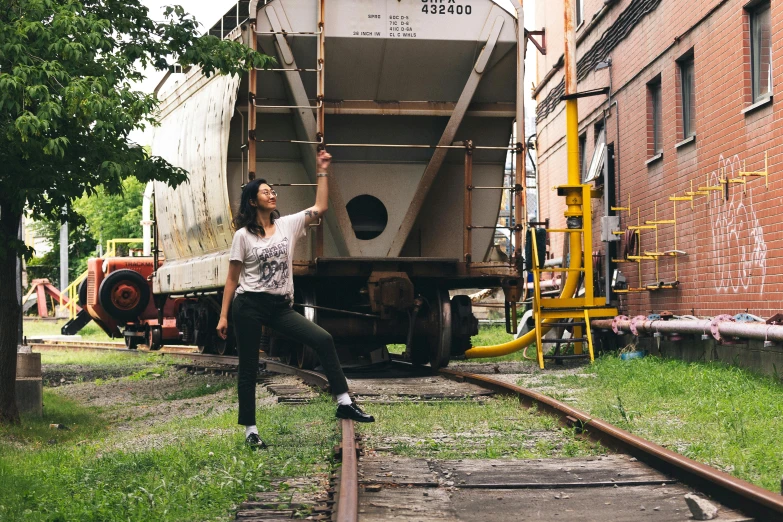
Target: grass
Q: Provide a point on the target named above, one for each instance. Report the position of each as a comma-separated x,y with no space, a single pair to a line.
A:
497,428
717,414
35,433
99,358
199,471
91,332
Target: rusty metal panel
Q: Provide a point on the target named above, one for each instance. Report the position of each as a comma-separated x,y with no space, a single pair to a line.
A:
195,218
194,136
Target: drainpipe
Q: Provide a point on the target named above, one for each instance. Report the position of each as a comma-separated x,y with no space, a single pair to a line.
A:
146,222
574,212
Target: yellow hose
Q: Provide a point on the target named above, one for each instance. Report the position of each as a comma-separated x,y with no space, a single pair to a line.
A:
574,208
517,344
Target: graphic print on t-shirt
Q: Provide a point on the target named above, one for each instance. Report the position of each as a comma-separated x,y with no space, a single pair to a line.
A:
273,264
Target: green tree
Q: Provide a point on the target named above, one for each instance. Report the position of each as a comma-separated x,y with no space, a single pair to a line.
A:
111,216
81,246
67,105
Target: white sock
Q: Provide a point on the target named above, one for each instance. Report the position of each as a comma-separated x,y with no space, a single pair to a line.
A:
250,429
343,399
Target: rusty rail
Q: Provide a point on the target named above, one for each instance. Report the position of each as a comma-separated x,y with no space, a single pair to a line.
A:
733,492
347,507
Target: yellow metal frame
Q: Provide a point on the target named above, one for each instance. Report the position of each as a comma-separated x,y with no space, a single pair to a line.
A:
581,308
72,290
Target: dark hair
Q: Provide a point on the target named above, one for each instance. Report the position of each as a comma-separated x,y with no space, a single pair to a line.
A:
246,217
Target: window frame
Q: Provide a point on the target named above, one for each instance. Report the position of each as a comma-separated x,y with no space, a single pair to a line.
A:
579,15
686,67
754,11
655,92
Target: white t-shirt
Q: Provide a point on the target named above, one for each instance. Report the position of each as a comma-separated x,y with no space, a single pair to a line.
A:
267,261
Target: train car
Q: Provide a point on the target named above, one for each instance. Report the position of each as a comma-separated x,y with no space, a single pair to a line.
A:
416,101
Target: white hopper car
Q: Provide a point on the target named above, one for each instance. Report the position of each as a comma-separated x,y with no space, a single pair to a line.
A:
357,76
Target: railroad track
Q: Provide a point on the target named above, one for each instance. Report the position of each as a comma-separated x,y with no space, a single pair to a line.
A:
663,467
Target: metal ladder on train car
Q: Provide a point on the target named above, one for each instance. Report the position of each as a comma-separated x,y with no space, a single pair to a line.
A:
285,52
576,312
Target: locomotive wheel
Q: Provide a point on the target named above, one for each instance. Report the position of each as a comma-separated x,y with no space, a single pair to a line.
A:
124,294
83,294
131,343
153,336
440,338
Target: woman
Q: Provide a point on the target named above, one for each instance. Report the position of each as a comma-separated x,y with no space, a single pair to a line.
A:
260,284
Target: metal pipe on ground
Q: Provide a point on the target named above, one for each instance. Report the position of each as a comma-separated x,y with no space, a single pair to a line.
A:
724,329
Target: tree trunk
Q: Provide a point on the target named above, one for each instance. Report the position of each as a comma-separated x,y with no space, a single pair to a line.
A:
9,317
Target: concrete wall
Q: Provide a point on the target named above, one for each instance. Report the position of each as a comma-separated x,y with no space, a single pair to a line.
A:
734,256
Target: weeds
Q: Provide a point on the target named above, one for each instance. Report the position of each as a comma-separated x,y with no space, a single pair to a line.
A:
718,414
497,428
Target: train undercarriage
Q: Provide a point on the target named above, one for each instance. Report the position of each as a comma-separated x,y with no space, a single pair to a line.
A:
365,304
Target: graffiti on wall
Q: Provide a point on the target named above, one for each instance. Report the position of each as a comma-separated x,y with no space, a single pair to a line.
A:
739,248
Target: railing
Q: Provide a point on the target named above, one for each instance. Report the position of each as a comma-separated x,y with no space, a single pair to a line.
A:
71,292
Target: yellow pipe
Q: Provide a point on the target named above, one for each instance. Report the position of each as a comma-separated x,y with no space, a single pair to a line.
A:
574,206
569,289
572,142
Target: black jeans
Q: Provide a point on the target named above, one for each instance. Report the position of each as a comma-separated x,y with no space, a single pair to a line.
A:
250,311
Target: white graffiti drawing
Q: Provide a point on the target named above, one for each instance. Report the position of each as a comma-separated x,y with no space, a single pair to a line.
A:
737,237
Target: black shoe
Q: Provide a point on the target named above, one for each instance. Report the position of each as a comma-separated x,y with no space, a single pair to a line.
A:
353,412
254,441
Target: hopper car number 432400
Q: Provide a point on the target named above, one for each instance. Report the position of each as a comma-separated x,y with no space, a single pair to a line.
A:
440,9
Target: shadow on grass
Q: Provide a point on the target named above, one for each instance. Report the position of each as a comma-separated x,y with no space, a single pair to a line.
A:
82,423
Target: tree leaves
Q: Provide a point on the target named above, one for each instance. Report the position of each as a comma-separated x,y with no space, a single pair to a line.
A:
68,101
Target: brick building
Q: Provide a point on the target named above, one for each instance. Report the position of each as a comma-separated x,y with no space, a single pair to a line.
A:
693,83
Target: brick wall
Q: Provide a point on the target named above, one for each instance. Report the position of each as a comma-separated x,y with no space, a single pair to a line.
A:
734,258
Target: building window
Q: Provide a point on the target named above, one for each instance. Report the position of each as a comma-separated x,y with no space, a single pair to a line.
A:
580,9
760,50
687,96
598,128
582,152
654,117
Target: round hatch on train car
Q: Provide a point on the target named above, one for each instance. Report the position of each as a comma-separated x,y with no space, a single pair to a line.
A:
368,216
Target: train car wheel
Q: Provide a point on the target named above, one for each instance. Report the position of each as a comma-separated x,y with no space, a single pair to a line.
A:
440,338
124,294
153,335
435,346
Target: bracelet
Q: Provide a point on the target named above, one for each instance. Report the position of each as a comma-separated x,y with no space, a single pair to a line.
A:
322,174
